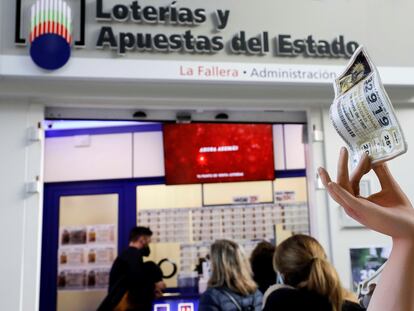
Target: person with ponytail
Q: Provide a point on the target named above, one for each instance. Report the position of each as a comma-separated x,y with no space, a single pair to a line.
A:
310,281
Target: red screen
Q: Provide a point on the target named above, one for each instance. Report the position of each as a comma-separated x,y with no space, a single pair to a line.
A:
209,153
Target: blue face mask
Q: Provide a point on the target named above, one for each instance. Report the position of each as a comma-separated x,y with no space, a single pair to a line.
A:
279,278
207,269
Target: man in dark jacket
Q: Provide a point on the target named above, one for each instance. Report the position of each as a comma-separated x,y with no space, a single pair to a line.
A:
127,273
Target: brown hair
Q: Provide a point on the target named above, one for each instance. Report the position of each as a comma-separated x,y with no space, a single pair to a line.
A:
262,248
261,260
230,268
303,264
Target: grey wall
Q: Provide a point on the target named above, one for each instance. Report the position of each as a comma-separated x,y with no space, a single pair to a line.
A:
383,26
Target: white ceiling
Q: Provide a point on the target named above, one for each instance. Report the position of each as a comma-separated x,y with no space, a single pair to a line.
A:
162,95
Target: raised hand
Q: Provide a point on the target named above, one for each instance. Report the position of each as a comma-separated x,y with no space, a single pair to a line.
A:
388,211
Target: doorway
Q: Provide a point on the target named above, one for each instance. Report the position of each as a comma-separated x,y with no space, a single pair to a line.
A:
116,169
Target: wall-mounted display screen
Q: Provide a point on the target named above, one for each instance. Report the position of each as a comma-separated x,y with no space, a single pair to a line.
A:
211,153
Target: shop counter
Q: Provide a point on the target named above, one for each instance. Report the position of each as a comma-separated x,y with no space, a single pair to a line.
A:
178,300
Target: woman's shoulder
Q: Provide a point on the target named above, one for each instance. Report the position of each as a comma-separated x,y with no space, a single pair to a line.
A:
258,294
210,292
213,294
218,298
255,298
295,299
216,293
351,306
279,290
288,298
210,298
280,294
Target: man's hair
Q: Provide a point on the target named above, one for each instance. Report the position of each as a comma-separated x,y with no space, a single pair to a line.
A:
137,232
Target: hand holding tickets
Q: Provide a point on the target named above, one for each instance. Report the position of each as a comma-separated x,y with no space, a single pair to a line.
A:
388,211
362,113
363,116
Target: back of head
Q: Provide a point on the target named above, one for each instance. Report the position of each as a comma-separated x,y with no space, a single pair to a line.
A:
261,261
152,272
138,232
230,268
303,264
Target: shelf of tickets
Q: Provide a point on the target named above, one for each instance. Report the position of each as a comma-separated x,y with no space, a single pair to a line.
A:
188,232
195,224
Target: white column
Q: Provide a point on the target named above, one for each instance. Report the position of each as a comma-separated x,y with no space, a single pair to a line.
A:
20,213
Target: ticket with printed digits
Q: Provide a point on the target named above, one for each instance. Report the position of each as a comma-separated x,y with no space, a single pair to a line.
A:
362,112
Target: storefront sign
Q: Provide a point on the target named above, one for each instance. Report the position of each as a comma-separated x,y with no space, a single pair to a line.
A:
187,41
51,21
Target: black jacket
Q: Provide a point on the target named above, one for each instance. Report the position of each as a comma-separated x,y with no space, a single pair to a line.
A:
127,275
291,299
128,265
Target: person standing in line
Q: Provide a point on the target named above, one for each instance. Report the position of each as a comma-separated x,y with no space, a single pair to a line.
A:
142,298
231,286
261,261
310,281
127,280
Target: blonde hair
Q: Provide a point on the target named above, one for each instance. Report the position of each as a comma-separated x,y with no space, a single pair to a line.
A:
303,264
230,268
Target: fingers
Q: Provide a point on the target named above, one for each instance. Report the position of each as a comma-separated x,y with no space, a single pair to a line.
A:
325,178
384,175
363,167
343,197
390,185
372,215
343,175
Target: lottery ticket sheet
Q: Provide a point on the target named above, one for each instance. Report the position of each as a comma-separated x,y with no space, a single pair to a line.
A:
362,112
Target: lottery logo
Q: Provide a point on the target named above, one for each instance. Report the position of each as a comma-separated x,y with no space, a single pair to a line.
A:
50,33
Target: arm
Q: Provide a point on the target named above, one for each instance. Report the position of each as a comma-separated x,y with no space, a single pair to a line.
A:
389,212
159,289
394,291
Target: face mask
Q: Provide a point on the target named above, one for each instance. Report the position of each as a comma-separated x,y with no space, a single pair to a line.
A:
145,251
207,269
279,278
